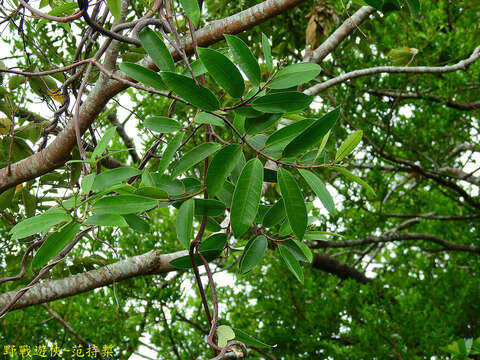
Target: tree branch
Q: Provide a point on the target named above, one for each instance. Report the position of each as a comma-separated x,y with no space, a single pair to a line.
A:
150,263
461,65
333,266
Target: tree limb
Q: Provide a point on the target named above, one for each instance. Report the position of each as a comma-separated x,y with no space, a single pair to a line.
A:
461,65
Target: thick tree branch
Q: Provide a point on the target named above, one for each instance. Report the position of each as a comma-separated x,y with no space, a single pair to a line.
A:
461,65
57,152
150,263
333,266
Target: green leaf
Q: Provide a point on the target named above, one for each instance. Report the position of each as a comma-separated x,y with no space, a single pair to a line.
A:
115,7
143,75
38,224
298,250
6,198
291,262
186,88
275,214
162,124
103,143
312,135
209,207
294,75
206,118
256,125
170,151
106,220
55,243
248,339
253,253
348,145
223,71
238,169
282,102
221,166
147,178
269,175
137,223
355,178
170,185
294,202
224,335
156,49
267,52
114,176
123,204
319,188
152,192
282,137
184,223
87,183
194,156
246,197
245,59
192,10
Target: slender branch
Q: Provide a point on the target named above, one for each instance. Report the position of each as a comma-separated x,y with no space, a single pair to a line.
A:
50,17
461,65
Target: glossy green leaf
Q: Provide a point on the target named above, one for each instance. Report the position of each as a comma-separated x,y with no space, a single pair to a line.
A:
191,185
106,220
291,262
282,102
355,178
294,202
319,188
297,250
245,59
194,156
238,169
54,244
246,197
224,335
104,141
87,183
209,207
115,7
170,151
262,123
253,253
312,135
192,10
294,75
143,75
152,192
123,204
283,136
137,223
221,166
348,145
275,214
110,177
162,124
38,224
226,193
206,118
172,186
186,88
147,178
156,49
184,223
223,71
267,52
